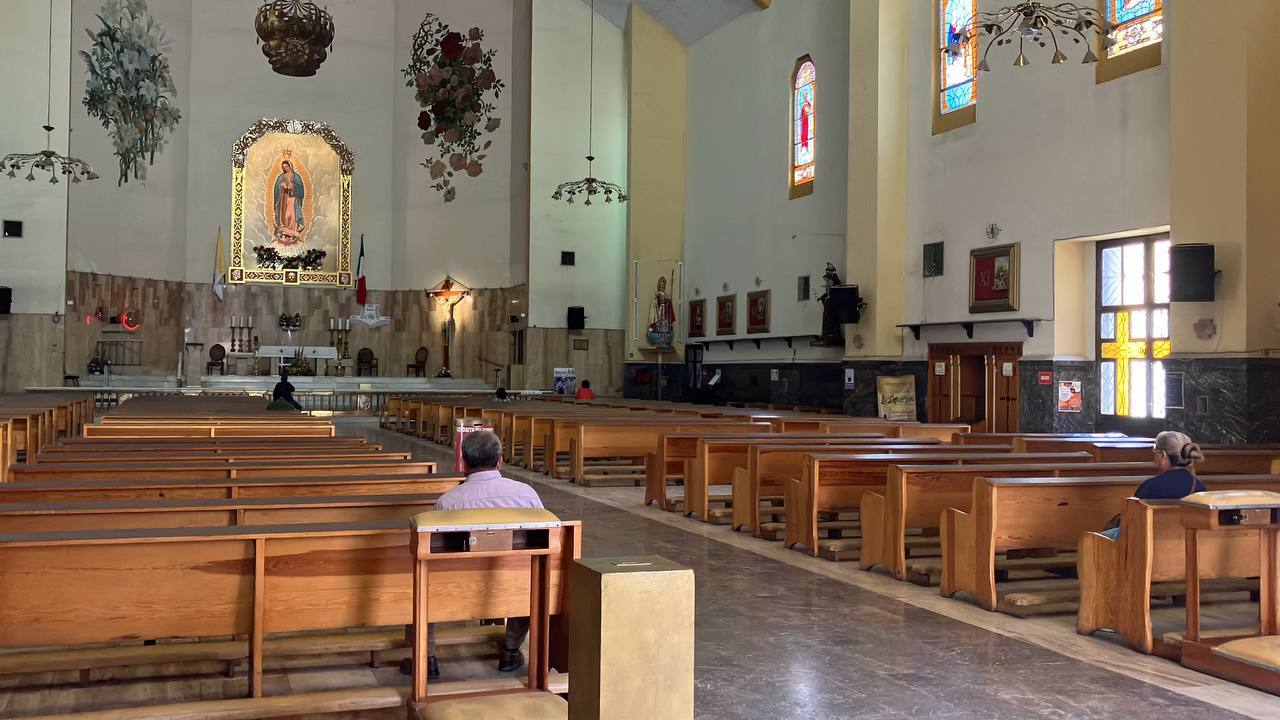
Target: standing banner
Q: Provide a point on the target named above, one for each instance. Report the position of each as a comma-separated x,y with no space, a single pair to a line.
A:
564,381
461,427
896,397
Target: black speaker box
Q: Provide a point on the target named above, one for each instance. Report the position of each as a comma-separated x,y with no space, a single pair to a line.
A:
6,300
846,303
1191,273
577,317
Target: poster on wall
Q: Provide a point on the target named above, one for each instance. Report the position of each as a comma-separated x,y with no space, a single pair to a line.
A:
993,279
758,311
564,381
726,314
1069,400
698,318
291,205
848,378
896,397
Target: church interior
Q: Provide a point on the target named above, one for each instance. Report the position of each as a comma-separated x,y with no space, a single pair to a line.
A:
532,359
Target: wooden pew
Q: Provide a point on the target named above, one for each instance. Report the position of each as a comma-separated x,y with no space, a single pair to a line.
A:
1030,513
832,482
244,581
986,438
1118,577
674,449
771,466
597,439
134,444
915,496
1219,459
26,432
204,448
224,468
276,454
164,430
353,483
943,432
211,512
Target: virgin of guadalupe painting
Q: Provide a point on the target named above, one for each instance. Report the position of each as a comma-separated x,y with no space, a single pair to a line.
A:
288,194
291,205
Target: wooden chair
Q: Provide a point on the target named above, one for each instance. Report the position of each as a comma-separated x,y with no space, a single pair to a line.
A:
217,360
366,363
417,368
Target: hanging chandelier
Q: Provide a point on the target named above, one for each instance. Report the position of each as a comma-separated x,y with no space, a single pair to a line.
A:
589,185
47,160
296,36
1035,23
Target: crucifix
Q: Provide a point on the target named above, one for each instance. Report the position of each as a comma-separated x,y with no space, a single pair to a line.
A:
451,292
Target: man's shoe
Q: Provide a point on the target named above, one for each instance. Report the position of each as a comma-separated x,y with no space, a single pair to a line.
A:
510,660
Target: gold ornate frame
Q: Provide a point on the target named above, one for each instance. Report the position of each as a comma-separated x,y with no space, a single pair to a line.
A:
1015,273
237,273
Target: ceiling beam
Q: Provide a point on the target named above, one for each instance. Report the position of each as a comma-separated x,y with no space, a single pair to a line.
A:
764,4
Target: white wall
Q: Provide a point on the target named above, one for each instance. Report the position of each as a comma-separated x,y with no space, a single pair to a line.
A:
1051,156
165,228
559,141
33,265
739,223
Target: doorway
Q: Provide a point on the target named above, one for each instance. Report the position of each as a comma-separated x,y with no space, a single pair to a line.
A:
975,383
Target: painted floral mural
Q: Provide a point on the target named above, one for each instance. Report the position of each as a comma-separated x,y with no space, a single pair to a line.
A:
129,88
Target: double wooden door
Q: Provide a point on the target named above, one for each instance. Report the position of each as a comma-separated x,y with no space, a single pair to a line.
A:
975,383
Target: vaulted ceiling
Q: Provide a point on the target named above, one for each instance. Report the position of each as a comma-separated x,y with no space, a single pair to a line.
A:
688,20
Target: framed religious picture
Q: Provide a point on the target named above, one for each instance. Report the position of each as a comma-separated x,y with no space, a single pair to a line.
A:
758,311
698,318
291,205
993,279
726,314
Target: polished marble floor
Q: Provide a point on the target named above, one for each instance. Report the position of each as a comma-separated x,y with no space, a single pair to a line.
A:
782,635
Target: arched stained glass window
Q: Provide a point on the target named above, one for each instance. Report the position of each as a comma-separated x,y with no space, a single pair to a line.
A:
957,56
803,146
1134,24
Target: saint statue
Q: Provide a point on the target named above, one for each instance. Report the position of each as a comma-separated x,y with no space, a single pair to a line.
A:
289,194
832,331
662,318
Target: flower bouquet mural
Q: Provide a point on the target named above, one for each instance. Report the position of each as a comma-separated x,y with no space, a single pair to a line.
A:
128,87
453,79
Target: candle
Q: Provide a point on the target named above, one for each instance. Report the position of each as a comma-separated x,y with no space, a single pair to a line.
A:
348,326
234,319
250,321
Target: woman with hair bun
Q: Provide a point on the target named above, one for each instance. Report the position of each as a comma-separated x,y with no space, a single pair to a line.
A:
1175,457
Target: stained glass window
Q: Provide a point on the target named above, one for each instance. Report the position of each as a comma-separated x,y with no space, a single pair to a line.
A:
1134,24
957,55
1133,326
803,150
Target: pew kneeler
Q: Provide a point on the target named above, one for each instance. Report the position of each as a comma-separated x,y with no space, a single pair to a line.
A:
500,535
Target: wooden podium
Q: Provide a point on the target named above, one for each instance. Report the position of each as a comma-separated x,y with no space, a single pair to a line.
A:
631,639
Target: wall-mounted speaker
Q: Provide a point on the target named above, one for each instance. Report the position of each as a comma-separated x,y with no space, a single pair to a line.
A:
577,317
6,300
13,228
568,257
846,303
1191,273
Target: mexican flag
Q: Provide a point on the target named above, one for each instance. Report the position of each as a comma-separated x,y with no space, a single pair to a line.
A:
362,292
220,268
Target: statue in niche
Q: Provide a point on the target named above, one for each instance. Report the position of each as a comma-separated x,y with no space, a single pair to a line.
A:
832,331
662,318
289,193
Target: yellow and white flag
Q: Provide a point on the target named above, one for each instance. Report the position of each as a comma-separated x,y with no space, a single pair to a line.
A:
220,268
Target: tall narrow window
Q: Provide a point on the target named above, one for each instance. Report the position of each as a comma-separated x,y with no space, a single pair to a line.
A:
1137,28
1133,326
955,64
803,84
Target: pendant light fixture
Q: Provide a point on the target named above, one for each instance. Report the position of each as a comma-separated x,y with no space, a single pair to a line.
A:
48,160
590,186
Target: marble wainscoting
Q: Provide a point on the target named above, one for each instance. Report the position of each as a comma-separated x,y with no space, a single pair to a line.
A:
31,351
861,401
1038,404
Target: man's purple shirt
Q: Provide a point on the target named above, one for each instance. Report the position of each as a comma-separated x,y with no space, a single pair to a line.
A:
488,489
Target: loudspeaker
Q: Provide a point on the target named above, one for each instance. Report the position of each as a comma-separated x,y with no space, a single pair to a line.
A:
577,317
1191,273
6,300
846,303
13,228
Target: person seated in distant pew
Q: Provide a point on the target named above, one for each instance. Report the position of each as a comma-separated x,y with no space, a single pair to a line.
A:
585,392
485,487
282,395
1175,458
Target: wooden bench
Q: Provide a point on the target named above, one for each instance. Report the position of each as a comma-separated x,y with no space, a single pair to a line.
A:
593,440
243,581
26,433
210,512
164,430
354,483
218,468
942,432
986,438
915,496
1028,513
276,454
1118,577
835,482
675,449
770,467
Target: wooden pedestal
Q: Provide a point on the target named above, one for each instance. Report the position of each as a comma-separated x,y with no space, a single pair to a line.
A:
631,639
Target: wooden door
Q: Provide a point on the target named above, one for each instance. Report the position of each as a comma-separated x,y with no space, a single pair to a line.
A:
1004,417
978,385
941,387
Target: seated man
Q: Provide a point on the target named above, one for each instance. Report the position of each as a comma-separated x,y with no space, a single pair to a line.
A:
486,488
282,395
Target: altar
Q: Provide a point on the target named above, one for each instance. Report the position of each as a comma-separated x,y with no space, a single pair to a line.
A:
282,354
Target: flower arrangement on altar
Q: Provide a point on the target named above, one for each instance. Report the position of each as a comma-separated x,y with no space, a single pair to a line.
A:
454,81
129,87
290,322
269,257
